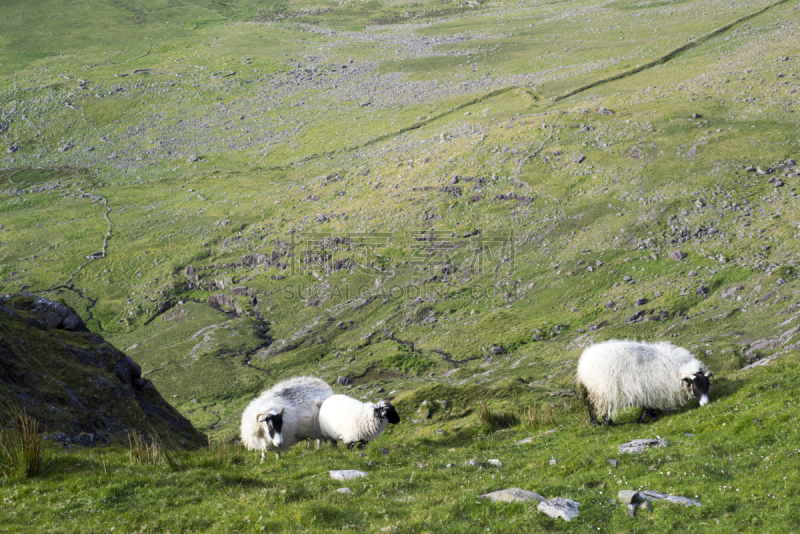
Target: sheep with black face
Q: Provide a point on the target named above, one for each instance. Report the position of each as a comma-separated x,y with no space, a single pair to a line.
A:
615,375
343,418
284,415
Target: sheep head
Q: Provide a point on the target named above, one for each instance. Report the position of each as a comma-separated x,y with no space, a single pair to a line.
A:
385,410
698,385
273,421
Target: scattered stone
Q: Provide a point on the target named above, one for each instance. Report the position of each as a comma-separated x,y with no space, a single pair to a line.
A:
371,463
87,440
630,497
613,463
631,510
643,505
696,115
692,273
384,451
702,290
580,159
496,350
604,111
637,446
612,502
689,434
347,474
553,461
626,278
344,490
495,462
448,466
472,463
524,441
677,255
343,380
641,301
60,436
677,499
566,509
512,495
598,263
609,304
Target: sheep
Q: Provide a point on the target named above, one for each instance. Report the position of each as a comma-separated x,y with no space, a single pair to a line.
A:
284,415
343,418
615,375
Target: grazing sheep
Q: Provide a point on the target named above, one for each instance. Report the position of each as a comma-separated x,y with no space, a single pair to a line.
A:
284,415
342,418
615,375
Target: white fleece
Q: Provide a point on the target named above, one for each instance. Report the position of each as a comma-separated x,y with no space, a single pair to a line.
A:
300,398
343,418
621,374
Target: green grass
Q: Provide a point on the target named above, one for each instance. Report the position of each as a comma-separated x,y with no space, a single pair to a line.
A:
738,457
504,96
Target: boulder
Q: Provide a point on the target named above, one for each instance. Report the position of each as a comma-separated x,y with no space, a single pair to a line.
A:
566,509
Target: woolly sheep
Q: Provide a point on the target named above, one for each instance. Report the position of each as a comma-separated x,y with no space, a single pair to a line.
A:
343,418
284,415
615,375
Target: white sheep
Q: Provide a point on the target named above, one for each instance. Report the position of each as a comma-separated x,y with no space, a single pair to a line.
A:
343,418
284,415
615,375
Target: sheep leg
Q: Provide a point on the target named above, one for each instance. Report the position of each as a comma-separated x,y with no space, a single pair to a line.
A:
643,417
278,455
593,416
653,413
262,456
350,445
608,422
362,445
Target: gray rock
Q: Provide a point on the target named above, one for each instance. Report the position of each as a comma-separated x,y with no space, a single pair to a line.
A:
553,461
347,474
496,350
495,462
641,301
631,510
637,446
524,441
692,273
630,496
604,111
609,304
342,380
566,509
689,434
384,451
677,255
449,466
472,463
60,436
702,290
513,495
371,463
127,370
612,502
643,505
613,463
87,440
344,490
656,496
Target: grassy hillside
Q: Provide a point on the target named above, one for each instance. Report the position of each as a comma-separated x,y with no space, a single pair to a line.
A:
738,457
430,199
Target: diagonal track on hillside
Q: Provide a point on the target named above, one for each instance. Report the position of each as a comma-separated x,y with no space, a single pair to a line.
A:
669,55
498,92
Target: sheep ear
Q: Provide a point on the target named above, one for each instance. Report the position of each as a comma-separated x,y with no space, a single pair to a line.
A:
709,374
282,410
261,418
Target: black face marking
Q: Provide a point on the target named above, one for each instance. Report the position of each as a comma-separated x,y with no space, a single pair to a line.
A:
274,424
698,385
387,411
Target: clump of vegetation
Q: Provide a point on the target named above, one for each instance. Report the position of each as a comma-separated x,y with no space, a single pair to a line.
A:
20,446
492,421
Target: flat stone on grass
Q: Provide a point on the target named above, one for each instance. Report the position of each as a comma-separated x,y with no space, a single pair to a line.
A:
347,474
344,490
566,509
637,446
513,495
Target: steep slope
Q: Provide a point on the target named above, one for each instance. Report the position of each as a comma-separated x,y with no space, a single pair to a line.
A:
74,382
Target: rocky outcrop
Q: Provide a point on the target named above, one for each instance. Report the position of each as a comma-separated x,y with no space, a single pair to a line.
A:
74,382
